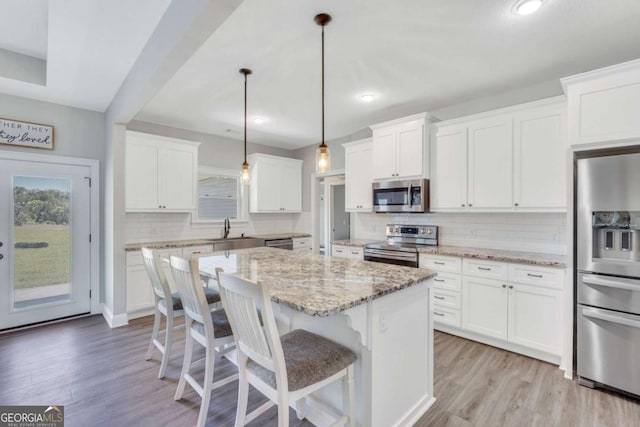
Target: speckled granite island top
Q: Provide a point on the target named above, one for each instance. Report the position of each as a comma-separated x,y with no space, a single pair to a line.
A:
358,243
314,284
498,255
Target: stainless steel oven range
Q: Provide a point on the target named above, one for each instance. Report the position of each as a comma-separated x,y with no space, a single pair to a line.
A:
608,264
402,244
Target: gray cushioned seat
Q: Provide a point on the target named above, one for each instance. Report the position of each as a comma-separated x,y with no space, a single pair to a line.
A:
221,326
309,358
212,297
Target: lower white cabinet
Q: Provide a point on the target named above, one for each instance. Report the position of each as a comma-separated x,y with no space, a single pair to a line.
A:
351,252
515,306
485,306
140,298
302,244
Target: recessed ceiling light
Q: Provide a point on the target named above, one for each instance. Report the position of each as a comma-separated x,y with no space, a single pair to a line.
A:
259,120
527,7
367,97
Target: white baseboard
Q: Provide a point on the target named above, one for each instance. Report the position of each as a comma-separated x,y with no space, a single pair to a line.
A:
417,411
114,321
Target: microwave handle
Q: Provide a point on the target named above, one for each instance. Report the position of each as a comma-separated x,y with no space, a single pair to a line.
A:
410,200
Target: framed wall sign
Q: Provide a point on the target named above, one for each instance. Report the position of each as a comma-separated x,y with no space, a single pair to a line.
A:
26,134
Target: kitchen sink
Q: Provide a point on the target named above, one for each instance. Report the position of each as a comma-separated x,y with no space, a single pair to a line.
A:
232,243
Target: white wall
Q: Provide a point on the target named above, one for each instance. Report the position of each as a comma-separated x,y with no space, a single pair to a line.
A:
77,133
215,151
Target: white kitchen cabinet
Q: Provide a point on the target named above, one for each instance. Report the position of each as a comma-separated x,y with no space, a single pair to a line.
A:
449,168
358,176
535,317
276,184
302,244
160,173
540,159
447,296
484,306
604,106
400,148
344,251
514,160
490,157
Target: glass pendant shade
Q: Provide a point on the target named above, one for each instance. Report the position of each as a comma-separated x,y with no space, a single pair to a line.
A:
246,175
323,159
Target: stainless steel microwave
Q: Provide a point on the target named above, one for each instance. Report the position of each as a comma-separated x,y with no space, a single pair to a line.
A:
410,196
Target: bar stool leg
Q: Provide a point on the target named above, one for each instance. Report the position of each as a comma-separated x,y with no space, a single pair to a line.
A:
154,333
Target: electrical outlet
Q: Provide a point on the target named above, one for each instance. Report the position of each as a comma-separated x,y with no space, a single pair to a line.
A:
383,323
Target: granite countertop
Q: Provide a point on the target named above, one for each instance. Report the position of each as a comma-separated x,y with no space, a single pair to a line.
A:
498,255
360,243
314,284
167,245
280,236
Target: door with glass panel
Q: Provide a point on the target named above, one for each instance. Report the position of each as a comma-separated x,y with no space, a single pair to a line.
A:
45,221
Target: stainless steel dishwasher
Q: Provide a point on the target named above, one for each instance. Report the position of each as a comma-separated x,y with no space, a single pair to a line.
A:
279,243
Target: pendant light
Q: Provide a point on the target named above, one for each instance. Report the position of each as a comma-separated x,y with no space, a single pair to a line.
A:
246,176
323,156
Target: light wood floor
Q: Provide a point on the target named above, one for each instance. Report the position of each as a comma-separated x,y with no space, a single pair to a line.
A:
100,376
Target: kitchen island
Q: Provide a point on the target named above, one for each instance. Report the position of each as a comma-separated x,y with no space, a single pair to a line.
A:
382,312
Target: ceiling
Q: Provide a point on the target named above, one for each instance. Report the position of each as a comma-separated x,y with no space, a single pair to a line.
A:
415,55
89,46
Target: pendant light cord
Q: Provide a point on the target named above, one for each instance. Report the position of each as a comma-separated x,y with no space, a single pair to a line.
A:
323,86
245,119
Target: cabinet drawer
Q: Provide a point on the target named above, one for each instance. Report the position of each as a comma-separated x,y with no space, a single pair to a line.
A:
354,252
448,281
441,263
302,243
533,275
339,251
447,299
190,251
488,269
302,250
447,316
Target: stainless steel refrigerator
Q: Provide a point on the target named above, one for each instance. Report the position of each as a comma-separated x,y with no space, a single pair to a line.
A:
608,264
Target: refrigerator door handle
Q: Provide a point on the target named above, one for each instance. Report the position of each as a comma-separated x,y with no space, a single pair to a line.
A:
598,314
610,283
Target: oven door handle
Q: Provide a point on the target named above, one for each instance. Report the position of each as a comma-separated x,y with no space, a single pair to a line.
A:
598,314
610,283
376,253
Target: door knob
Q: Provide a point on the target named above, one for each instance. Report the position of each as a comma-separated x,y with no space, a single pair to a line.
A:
1,256
1,244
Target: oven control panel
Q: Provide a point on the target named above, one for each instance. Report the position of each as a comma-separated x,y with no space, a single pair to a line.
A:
419,231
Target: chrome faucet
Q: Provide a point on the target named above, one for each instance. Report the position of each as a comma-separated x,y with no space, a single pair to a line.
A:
227,227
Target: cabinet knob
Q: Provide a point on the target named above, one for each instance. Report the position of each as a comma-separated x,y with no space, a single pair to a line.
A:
515,204
470,205
462,205
504,286
510,286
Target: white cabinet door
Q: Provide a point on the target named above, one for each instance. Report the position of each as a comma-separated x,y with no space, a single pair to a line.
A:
139,290
409,140
141,176
358,174
540,159
490,163
449,182
290,187
384,153
535,317
266,187
178,169
484,306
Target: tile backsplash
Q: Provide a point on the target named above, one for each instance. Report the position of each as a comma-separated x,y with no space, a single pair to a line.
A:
157,227
530,232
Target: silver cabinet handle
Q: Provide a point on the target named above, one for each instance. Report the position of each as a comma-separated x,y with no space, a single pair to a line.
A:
438,280
438,262
437,297
539,276
438,314
484,268
597,314
355,253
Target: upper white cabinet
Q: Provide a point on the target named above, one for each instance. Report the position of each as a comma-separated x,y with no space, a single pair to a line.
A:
490,163
511,160
540,158
400,148
276,184
604,105
160,173
358,176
